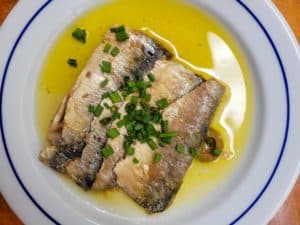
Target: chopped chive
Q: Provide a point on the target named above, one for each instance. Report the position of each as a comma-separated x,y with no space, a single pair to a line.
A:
157,157
162,103
145,106
138,75
115,115
166,140
106,105
122,36
98,110
164,126
139,126
135,160
112,133
105,66
129,107
105,121
72,62
134,99
143,93
115,51
115,97
80,34
168,134
179,149
117,29
104,83
147,97
113,108
150,130
107,151
131,84
147,118
91,108
129,151
121,123
151,77
106,48
143,85
193,152
105,95
152,144
216,152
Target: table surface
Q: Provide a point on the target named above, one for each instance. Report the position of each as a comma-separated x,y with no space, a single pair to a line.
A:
289,214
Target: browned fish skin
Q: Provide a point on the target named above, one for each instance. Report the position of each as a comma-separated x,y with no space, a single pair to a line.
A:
172,82
154,185
69,128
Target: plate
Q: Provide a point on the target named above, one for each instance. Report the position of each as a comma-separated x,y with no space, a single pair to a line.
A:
254,191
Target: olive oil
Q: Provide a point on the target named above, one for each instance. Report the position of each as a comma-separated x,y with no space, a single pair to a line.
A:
197,41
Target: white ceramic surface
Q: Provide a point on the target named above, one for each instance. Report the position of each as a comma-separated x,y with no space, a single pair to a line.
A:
252,193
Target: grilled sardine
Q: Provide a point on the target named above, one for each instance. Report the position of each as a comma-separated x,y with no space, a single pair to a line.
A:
172,82
154,185
71,125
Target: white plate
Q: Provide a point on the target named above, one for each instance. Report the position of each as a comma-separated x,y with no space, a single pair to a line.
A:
252,194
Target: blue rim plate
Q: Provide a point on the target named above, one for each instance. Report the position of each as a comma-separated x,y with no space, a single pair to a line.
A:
260,184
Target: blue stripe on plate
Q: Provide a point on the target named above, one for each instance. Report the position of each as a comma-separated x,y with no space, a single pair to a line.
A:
243,5
287,117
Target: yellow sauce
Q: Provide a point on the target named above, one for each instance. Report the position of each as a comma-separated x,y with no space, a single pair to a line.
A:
200,43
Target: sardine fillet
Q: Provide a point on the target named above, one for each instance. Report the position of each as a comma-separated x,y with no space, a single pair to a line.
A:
154,185
69,129
172,81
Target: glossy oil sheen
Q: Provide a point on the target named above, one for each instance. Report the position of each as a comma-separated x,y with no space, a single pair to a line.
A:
200,43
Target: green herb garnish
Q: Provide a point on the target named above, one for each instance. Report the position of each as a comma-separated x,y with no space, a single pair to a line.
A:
105,66
179,149
193,152
107,151
152,144
98,110
115,51
106,48
117,29
162,103
115,115
80,34
112,133
115,97
121,123
122,36
157,157
216,152
72,62
168,134
151,77
164,126
106,105
105,121
129,151
104,83
147,97
135,160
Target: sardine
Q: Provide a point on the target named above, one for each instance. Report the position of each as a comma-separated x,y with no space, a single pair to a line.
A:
72,123
172,81
154,185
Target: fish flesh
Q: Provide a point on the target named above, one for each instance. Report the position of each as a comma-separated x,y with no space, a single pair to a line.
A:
172,81
154,185
71,125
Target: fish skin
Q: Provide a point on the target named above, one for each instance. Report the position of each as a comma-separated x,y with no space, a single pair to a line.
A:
154,185
172,81
70,127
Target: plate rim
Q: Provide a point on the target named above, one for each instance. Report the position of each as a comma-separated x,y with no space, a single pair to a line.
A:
276,53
